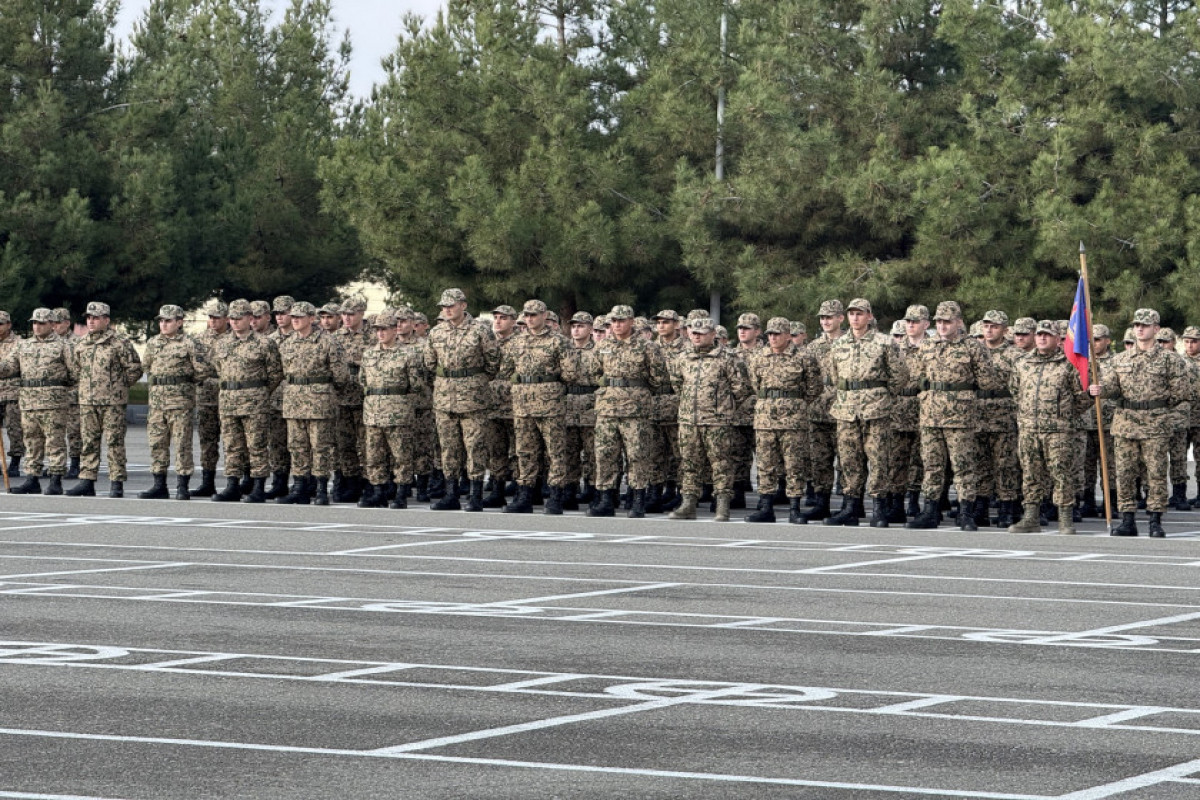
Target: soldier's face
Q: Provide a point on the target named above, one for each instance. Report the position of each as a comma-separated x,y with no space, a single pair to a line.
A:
598,334
260,322
352,319
747,334
218,324
1192,346
1100,345
404,327
620,328
665,328
62,328
859,319
993,333
799,339
386,335
242,324
1023,340
503,324
916,328
1144,333
1046,343
302,325
703,338
831,323
581,331
42,329
779,341
554,325
455,312
421,328
5,329
283,320
329,322
169,327
535,322
97,324
949,329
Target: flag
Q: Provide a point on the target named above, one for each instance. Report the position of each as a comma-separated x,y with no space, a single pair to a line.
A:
1078,336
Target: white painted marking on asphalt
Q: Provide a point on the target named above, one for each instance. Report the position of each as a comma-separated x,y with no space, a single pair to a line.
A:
912,705
898,631
1134,783
834,567
160,565
547,680
622,590
50,525
34,796
752,621
1095,632
184,662
1120,716
359,673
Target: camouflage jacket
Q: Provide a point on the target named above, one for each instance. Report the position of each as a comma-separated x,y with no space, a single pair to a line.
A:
906,405
745,412
581,394
207,393
424,399
711,386
49,361
314,369
277,337
106,366
998,409
354,344
537,367
463,359
784,384
1147,385
392,378
1047,392
666,405
174,365
10,388
1183,411
952,373
502,389
819,348
866,374
248,370
1087,420
633,372
1194,367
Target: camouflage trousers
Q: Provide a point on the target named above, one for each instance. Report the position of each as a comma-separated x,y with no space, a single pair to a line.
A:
781,454
428,454
864,447
395,445
906,465
631,434
540,440
10,417
164,426
245,439
822,449
208,425
1178,455
999,465
501,444
351,441
743,454
1090,468
107,423
1048,459
708,446
1135,457
72,431
949,448
464,443
310,442
44,440
581,453
664,458
277,442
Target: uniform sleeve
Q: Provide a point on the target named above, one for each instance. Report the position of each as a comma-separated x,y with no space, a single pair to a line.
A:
752,372
430,357
491,352
1181,386
656,367
149,354
568,363
1110,383
10,366
508,363
814,384
337,363
274,366
133,364
675,374
71,364
897,369
739,381
988,376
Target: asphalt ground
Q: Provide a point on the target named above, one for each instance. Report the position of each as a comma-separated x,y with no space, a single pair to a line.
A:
167,649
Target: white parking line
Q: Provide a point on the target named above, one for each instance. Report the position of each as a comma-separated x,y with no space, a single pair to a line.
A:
161,565
1136,782
1150,623
32,796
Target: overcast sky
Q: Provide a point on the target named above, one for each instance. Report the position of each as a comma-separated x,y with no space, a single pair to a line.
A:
373,26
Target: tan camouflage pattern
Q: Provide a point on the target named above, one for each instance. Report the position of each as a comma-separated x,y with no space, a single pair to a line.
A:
1146,376
399,368
49,358
317,356
863,447
874,357
793,370
354,344
45,439
106,365
242,360
245,438
632,359
712,387
1137,458
107,423
631,435
167,426
310,442
1048,459
704,451
470,345
544,355
10,388
178,356
961,361
1047,393
501,388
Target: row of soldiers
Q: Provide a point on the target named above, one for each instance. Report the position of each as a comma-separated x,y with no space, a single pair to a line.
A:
388,404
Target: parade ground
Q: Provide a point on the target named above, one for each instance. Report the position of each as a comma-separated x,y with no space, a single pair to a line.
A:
182,650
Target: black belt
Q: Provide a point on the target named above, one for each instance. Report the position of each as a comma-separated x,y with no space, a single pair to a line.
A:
943,386
308,381
233,385
909,392
169,380
42,384
850,386
625,383
459,373
582,389
1141,405
780,394
387,390
526,379
997,394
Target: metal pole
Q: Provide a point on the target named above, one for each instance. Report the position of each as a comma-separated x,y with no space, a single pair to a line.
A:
714,300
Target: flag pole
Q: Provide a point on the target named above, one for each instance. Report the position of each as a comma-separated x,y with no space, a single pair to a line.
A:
1093,370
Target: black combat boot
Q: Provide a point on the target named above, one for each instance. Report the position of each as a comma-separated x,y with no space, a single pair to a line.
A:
231,493
880,511
928,518
569,498
820,510
73,469
207,487
258,491
449,498
671,497
980,512
521,504
1128,526
464,484
374,496
766,510
852,511
247,484
158,491
554,500
321,498
31,485
299,495
1087,504
54,487
495,496
1005,517
654,499
895,514
474,497
351,489
810,494
795,514
181,487
913,504
637,508
780,492
966,513
422,489
400,501
1179,501
510,487
739,495
14,467
1156,528
279,481
603,507
116,488
437,485
85,488
589,492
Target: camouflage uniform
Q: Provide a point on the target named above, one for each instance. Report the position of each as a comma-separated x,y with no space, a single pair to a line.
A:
1089,469
1182,414
314,369
1193,432
10,390
208,417
426,455
906,465
823,435
581,412
392,378
280,457
996,434
106,365
743,453
174,365
47,371
665,459
784,384
72,431
351,433
500,428
249,370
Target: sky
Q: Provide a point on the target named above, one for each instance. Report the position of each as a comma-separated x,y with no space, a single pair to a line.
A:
373,25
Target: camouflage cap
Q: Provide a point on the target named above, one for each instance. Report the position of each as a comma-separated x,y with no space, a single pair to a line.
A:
1129,338
899,328
620,312
600,322
419,316
505,311
216,308
302,308
283,304
553,317
239,309
534,307
701,325
1024,325
916,313
976,328
260,308
667,314
1102,332
831,308
996,317
402,313
1047,326
698,313
1145,316
354,305
330,310
779,325
452,297
95,309
1165,335
861,304
798,328
63,314
581,317
42,315
170,312
385,319
5,317
749,321
1191,332
948,310
721,332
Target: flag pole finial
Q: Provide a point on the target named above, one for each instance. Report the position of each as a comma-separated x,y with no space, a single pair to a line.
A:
1082,250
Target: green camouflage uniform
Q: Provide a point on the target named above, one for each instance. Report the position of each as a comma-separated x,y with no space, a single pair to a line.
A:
784,384
46,368
906,465
823,434
500,429
249,370
174,365
277,441
208,415
314,369
106,366
1049,400
711,386
392,380
10,405
996,434
462,358
351,433
581,416
665,458
427,454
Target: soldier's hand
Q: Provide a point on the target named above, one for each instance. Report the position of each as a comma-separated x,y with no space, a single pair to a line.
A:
1094,390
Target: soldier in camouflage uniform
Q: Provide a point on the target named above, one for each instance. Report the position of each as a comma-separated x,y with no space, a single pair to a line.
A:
45,364
10,405
867,371
537,364
66,329
996,436
249,370
1179,435
952,368
823,434
600,329
749,329
663,493
1148,384
314,369
1103,355
354,337
1022,331
463,357
500,429
906,464
799,334
106,366
711,384
1191,355
784,379
391,375
174,364
208,416
581,413
425,430
260,313
280,457
633,371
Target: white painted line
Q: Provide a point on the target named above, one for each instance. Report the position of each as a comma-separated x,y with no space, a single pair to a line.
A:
1134,783
622,590
29,796
1150,623
185,662
835,567
358,673
549,679
160,565
752,621
1120,716
50,525
596,615
901,630
912,705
